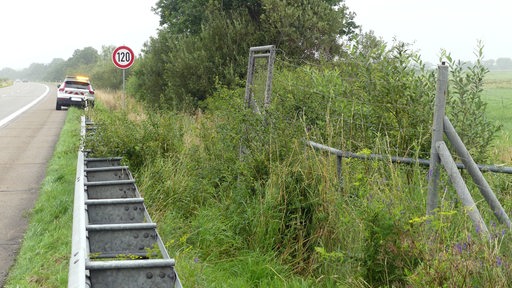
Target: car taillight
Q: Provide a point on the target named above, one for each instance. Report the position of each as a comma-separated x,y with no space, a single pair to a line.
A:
90,90
61,88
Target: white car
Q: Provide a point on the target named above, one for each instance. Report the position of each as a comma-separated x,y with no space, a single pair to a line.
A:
75,91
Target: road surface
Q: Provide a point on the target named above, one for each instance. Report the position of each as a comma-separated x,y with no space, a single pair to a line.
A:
29,129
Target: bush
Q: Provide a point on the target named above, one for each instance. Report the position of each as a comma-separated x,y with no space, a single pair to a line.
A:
466,109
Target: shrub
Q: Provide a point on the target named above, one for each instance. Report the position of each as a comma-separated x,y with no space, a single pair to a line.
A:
466,109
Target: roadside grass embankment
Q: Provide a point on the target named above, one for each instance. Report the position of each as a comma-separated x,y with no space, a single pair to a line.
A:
274,218
5,83
44,255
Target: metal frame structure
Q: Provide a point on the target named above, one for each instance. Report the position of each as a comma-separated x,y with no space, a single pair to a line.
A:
254,53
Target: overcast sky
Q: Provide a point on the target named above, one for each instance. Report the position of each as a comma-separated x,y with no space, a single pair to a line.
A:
37,31
430,25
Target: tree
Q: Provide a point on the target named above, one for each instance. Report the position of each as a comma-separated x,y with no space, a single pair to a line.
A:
205,43
504,63
105,74
56,70
465,106
148,83
82,60
306,30
301,28
9,73
182,16
35,71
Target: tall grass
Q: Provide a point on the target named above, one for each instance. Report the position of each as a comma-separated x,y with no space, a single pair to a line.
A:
277,216
188,170
274,215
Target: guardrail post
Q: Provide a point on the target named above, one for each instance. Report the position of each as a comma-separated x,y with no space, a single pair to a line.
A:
437,135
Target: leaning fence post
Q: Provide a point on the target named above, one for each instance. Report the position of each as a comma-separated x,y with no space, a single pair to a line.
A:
476,174
437,135
461,188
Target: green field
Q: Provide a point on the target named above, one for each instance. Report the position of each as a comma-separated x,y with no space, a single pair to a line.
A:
498,96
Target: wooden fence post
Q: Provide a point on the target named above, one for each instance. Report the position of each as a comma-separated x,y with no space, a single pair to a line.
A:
461,188
437,135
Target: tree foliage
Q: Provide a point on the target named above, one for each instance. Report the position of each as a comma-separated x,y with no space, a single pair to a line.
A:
204,43
466,109
503,64
375,92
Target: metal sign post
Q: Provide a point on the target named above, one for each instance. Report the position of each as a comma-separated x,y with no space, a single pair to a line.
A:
124,93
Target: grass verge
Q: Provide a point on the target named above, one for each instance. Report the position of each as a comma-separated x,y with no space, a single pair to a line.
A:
281,220
5,83
224,234
498,96
44,255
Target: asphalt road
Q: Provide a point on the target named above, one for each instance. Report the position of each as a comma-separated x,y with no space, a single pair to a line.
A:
28,135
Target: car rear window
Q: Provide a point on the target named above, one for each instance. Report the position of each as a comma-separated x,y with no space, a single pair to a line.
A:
77,85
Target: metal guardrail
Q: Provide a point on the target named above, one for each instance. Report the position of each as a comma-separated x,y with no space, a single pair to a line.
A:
114,243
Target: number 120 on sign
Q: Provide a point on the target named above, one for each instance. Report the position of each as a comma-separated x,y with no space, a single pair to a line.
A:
123,57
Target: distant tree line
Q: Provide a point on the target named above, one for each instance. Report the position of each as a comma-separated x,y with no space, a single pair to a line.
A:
499,64
87,61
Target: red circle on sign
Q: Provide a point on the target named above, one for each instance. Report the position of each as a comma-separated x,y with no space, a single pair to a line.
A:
123,57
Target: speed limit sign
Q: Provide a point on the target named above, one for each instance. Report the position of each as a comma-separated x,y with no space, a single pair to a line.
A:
123,57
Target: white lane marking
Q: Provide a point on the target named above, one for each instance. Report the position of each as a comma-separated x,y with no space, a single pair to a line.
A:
25,108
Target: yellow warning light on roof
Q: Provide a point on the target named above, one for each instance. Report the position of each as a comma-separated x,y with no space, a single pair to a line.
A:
78,77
